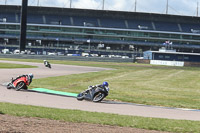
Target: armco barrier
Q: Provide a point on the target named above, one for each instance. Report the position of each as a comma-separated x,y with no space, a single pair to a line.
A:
80,58
72,58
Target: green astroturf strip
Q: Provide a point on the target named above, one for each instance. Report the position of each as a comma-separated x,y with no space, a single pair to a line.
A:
54,92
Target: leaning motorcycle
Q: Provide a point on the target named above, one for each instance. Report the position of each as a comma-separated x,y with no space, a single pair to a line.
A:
47,64
19,83
93,94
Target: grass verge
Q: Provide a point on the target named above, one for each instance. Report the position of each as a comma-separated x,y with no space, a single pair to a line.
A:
147,84
143,84
101,118
13,66
137,83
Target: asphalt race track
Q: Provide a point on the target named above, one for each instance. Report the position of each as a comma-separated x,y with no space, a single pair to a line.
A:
54,101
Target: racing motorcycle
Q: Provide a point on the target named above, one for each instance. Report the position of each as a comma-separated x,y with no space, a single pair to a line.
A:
19,83
93,94
47,64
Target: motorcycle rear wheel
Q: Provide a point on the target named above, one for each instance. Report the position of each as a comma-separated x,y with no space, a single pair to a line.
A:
20,85
99,97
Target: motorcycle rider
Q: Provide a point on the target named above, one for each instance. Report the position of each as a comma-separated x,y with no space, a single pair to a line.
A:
29,77
102,86
95,93
46,63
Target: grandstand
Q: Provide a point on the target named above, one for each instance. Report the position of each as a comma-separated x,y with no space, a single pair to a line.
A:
102,32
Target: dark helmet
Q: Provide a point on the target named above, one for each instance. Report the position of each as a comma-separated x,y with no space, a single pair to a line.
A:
30,75
105,84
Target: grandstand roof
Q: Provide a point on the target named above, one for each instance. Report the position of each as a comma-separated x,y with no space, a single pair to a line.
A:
101,13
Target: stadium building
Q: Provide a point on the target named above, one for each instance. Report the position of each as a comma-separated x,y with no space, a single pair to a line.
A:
102,32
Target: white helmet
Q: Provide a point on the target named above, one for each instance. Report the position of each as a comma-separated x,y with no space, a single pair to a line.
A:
30,75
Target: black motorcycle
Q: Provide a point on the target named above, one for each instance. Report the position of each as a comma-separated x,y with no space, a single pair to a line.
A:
93,94
47,64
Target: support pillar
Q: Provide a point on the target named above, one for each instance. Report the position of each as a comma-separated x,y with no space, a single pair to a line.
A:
22,41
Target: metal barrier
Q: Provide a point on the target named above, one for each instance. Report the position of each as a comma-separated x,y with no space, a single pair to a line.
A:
71,58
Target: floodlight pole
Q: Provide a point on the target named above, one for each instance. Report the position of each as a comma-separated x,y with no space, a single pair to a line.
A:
70,4
167,7
22,41
103,4
135,5
5,2
38,2
197,9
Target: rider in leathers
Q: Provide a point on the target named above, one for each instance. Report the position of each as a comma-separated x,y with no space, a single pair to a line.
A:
29,77
46,63
102,86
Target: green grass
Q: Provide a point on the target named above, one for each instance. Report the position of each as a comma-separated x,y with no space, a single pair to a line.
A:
13,66
136,83
101,118
145,84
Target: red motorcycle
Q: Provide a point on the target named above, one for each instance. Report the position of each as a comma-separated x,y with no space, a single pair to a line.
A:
21,82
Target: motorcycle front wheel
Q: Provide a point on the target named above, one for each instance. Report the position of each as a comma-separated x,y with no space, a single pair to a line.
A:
9,86
99,97
80,96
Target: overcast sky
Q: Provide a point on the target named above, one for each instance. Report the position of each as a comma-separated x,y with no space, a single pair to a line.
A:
178,7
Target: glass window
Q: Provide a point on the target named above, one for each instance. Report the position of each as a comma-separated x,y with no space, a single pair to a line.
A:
32,28
2,26
90,31
187,37
196,37
175,36
167,56
54,28
73,30
154,34
13,27
164,35
180,57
